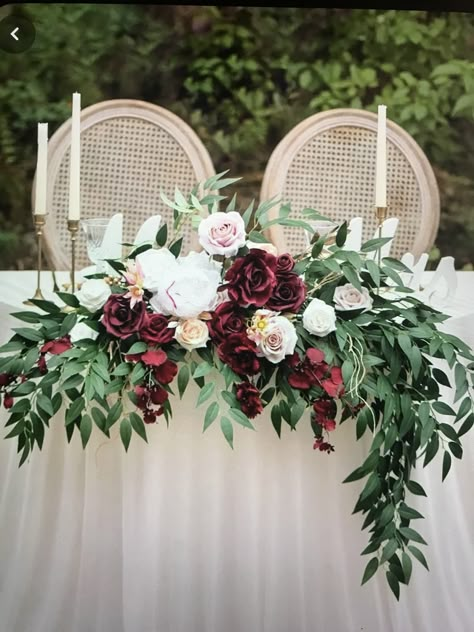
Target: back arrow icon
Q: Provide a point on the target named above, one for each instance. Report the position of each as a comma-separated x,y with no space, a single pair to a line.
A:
13,33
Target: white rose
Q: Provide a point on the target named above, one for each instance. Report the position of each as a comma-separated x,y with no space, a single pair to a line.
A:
319,318
93,294
81,331
270,248
279,339
185,287
348,297
222,233
192,334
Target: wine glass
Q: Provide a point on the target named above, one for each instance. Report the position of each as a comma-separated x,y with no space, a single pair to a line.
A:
95,231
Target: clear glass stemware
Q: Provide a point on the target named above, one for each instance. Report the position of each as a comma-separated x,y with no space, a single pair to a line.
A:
95,231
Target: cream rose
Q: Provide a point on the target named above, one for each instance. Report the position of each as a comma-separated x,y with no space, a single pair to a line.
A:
81,331
222,233
319,318
93,294
192,334
270,248
278,340
348,297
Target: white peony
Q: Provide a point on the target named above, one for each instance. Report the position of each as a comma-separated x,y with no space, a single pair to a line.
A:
319,318
183,287
278,339
81,331
348,297
93,294
192,334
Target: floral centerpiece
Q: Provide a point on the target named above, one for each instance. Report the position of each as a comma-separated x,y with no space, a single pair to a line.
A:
320,337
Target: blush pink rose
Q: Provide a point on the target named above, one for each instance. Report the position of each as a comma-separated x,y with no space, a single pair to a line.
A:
222,233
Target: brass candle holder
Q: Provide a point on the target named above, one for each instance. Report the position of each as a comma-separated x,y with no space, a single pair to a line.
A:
73,228
39,221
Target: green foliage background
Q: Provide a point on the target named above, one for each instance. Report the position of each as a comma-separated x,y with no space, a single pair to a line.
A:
242,77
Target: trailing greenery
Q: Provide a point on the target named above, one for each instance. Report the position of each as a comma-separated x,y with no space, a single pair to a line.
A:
242,77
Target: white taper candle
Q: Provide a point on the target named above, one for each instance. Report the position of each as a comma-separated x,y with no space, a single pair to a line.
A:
41,170
75,172
381,162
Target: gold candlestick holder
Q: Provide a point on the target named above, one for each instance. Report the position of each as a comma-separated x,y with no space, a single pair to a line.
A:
73,228
39,221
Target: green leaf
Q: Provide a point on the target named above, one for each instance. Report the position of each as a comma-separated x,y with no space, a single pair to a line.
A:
67,324
467,425
99,419
138,425
125,432
205,393
406,566
374,271
446,464
405,344
45,404
415,488
375,244
86,429
27,317
411,535
69,299
29,334
162,235
240,418
393,583
443,409
114,414
352,276
175,247
183,379
74,411
211,415
137,374
464,408
123,369
418,555
137,347
341,235
387,515
389,549
38,429
456,449
203,369
370,569
409,512
26,388
228,431
276,419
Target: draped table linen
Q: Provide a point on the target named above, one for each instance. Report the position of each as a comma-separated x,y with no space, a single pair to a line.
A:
186,535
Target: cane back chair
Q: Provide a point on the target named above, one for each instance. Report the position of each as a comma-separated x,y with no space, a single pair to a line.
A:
130,151
327,162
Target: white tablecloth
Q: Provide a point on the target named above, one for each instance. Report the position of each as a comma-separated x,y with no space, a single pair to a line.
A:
185,535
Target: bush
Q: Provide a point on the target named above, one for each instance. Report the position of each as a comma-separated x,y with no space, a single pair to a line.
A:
242,77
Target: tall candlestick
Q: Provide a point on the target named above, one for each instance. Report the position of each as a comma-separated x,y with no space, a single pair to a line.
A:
41,169
75,172
381,162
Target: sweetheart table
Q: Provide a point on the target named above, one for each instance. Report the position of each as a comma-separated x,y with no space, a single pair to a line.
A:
186,535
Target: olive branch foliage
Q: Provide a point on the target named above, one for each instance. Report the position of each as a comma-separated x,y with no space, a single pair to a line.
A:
395,360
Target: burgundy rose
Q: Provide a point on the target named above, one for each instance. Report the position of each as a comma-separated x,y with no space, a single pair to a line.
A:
239,352
334,386
149,416
324,408
227,319
165,373
8,400
252,278
323,446
155,330
308,372
119,319
56,347
158,395
288,295
248,396
285,263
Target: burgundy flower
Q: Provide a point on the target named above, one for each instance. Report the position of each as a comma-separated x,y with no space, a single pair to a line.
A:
6,379
322,446
155,330
228,318
248,396
334,386
8,400
154,358
149,416
252,278
285,263
324,408
308,372
165,373
56,347
42,364
158,395
239,352
288,295
119,319
143,396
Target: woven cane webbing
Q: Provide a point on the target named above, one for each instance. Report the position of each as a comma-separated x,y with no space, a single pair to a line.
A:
126,160
333,172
